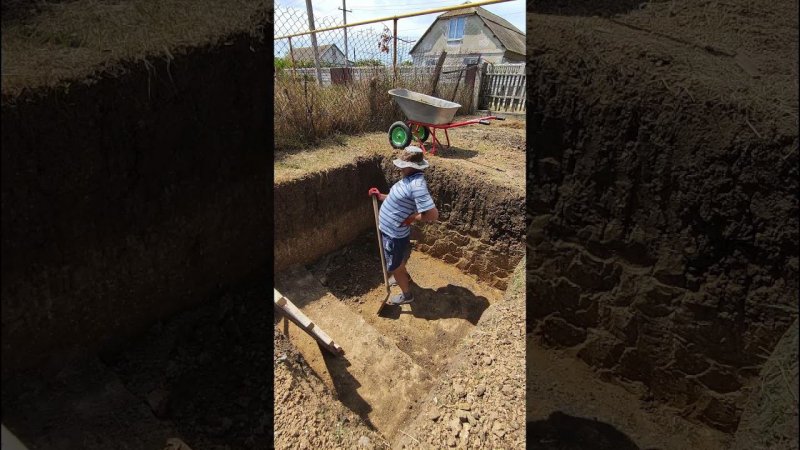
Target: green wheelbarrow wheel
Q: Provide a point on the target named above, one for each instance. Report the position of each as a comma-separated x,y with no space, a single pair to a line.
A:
399,135
421,133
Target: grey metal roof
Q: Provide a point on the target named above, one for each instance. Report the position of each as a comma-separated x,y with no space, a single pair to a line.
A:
307,53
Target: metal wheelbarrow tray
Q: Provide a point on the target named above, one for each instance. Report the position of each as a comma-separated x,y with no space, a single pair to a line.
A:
426,114
424,108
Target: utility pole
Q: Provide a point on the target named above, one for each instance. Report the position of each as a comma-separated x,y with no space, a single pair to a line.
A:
344,16
310,12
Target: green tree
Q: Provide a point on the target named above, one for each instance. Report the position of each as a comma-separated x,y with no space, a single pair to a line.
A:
368,62
281,63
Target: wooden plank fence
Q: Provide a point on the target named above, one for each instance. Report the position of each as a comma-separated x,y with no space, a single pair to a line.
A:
503,88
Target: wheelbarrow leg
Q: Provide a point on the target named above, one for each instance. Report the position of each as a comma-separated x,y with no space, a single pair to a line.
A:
448,137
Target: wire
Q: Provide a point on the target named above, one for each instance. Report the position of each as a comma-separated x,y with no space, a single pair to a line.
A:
290,4
405,6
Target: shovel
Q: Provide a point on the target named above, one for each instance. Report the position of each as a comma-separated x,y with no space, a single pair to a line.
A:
383,257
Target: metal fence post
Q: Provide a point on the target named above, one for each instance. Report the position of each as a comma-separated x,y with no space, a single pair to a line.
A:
294,65
394,59
310,11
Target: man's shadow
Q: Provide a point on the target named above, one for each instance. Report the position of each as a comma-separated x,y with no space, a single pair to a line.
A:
564,432
346,386
446,302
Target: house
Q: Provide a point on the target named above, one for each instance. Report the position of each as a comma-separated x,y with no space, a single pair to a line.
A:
329,55
468,36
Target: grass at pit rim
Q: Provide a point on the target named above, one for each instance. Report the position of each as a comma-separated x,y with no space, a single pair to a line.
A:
77,40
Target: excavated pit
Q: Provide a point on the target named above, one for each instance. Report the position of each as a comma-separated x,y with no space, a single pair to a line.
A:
663,221
460,267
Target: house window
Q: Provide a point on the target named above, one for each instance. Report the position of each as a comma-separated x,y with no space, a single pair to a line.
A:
456,29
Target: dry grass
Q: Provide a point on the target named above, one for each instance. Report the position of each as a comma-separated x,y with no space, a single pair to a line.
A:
306,114
493,152
335,152
75,40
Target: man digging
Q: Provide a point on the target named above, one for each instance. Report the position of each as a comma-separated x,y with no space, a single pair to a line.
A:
408,201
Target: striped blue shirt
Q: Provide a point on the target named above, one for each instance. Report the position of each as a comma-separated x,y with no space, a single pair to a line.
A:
408,196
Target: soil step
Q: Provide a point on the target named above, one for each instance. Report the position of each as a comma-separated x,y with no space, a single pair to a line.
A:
374,377
448,303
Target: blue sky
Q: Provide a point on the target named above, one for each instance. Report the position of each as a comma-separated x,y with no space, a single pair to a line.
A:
413,27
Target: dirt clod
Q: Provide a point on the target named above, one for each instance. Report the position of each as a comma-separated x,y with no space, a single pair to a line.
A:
176,444
364,442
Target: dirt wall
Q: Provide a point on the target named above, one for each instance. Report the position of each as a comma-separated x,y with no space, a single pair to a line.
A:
481,225
324,211
663,229
132,197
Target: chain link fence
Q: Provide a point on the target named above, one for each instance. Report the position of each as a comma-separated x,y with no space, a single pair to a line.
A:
348,94
366,46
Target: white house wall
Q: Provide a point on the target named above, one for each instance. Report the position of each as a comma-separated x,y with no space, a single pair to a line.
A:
332,57
477,40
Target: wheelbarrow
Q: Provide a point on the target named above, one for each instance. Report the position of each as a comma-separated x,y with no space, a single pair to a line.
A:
425,114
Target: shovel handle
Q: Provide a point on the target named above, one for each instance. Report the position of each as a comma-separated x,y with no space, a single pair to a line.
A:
380,247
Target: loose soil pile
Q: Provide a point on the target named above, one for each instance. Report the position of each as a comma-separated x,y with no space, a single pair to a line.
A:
479,401
663,193
307,414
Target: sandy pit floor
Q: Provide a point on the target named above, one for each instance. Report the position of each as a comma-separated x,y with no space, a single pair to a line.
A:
404,347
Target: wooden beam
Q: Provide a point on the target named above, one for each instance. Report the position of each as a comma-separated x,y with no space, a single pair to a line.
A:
436,73
294,314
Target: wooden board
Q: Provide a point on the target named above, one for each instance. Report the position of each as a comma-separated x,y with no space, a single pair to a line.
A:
294,314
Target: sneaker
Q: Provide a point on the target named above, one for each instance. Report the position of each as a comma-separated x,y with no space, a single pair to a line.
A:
400,299
393,282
